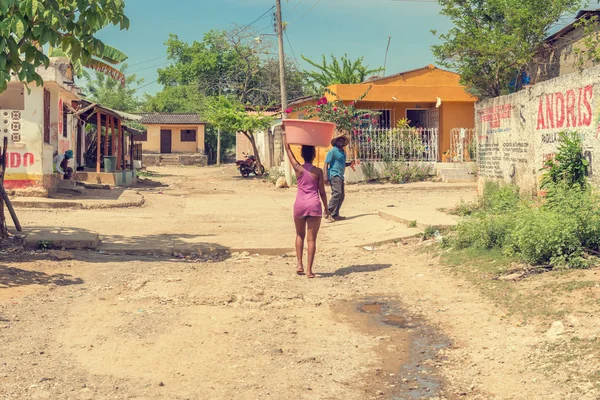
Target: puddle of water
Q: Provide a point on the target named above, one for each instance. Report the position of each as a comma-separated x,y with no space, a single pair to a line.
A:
408,355
371,308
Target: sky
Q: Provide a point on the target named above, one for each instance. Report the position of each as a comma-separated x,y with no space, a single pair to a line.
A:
359,28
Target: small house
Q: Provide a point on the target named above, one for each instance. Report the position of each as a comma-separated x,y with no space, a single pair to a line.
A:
172,139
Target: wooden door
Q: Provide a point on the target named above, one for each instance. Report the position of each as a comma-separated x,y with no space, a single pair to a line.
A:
165,141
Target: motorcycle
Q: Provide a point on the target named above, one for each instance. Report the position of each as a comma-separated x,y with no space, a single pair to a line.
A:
249,166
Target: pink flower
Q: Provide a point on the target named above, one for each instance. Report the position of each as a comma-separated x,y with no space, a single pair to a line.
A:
334,108
368,139
322,100
367,115
374,121
289,110
351,103
318,109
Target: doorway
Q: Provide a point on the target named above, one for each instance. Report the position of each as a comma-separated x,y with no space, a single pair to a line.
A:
165,141
419,115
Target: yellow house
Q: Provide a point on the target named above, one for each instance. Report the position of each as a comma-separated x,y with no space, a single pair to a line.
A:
172,139
430,95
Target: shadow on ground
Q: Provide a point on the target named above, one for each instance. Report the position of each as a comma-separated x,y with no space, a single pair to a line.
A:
146,247
354,269
11,277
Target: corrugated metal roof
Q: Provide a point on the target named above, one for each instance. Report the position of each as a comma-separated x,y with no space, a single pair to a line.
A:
571,26
170,119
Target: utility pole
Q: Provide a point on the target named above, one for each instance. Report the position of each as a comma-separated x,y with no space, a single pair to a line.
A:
287,166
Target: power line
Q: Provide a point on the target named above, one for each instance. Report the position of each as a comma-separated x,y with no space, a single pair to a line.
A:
152,66
290,44
256,20
143,62
296,6
312,8
147,84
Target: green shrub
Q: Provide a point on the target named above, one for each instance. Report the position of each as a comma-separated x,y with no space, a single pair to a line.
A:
484,231
398,172
499,198
369,171
569,165
542,236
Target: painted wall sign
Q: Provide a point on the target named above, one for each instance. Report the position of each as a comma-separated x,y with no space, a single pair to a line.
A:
569,109
19,161
495,115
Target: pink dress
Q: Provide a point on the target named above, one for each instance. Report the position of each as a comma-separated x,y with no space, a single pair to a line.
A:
308,203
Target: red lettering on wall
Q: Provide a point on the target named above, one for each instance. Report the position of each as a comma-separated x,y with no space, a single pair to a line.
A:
560,120
549,110
579,96
588,94
571,119
14,160
540,123
576,112
28,159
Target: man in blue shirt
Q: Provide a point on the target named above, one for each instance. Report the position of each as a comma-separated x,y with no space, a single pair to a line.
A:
335,166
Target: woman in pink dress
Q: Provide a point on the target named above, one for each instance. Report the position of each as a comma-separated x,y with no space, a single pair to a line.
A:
307,208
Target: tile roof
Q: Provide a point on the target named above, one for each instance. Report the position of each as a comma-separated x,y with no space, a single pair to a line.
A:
170,119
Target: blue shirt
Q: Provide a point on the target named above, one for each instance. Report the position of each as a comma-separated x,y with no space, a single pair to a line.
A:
336,158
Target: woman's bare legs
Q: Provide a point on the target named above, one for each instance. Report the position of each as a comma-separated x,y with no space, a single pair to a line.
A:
300,235
313,225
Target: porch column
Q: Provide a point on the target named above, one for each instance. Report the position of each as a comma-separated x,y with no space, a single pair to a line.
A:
131,151
120,145
106,138
114,136
99,143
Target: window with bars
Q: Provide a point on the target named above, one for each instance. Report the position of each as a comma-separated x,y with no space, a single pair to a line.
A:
188,135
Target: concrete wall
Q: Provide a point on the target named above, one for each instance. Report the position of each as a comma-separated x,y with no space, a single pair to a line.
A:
518,133
559,57
152,145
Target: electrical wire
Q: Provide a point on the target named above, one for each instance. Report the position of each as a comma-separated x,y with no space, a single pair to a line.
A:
312,8
256,20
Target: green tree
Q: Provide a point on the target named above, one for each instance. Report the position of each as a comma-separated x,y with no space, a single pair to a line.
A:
230,115
173,99
109,92
70,25
343,71
231,63
493,40
109,55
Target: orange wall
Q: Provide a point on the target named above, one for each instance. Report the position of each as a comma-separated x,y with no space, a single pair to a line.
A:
454,115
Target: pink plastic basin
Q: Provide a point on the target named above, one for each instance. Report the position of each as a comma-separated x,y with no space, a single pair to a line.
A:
310,133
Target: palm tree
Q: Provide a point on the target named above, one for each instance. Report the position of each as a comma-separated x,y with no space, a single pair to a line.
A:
101,62
342,71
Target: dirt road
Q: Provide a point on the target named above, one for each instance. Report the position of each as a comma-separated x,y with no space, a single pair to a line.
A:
390,323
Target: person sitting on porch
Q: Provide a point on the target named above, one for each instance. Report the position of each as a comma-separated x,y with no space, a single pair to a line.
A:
61,164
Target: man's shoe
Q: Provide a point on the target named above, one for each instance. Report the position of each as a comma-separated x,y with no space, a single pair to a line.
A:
339,218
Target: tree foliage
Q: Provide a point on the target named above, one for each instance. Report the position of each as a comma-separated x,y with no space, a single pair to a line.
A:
100,63
70,25
343,71
231,115
229,63
493,40
110,93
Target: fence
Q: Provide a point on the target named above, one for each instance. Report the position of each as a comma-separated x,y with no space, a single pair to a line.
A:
463,145
395,144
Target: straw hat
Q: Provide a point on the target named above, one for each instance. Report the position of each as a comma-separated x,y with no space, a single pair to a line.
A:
335,139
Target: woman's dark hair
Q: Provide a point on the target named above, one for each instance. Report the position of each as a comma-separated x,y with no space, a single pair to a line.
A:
308,153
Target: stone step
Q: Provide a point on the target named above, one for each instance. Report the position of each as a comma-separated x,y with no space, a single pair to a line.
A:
69,187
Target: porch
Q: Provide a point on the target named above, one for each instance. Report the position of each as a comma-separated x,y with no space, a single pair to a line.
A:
110,153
